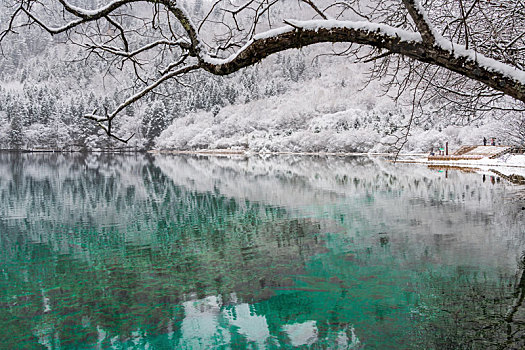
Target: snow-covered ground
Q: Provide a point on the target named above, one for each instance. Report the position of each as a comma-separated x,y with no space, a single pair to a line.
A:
509,164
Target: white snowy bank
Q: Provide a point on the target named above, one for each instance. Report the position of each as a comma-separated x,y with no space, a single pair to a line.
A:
509,164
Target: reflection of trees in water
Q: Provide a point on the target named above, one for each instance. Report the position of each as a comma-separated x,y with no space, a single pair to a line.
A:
452,216
515,315
102,257
438,306
466,309
119,244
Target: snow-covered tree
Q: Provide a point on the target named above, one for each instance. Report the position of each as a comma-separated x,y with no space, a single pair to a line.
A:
154,121
513,130
16,137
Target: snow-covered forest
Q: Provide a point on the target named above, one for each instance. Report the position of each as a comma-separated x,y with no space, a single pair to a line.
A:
301,100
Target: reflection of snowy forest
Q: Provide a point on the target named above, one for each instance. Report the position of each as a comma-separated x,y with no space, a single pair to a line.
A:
367,189
162,250
294,101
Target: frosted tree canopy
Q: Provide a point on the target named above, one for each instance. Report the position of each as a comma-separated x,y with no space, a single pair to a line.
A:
466,51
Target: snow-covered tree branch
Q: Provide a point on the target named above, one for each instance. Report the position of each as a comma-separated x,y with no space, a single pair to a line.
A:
480,40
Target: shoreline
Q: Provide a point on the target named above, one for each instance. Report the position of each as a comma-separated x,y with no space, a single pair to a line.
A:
249,153
410,158
217,152
404,158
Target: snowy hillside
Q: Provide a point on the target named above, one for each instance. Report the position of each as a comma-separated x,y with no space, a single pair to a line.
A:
330,112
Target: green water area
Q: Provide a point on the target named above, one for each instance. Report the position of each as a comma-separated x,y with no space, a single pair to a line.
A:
193,252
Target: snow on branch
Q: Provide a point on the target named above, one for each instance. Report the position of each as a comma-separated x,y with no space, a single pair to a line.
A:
108,117
129,54
83,15
50,29
445,54
418,14
303,33
98,13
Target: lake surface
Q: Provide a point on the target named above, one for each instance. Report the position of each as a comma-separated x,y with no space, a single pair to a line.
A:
186,252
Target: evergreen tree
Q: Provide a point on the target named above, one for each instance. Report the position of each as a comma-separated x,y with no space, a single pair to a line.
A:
154,121
15,136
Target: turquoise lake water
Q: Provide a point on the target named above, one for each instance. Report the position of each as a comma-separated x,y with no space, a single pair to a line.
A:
187,252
